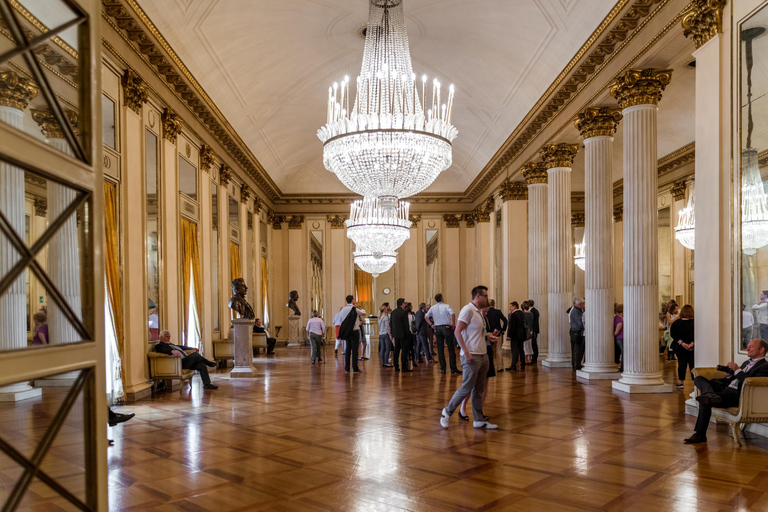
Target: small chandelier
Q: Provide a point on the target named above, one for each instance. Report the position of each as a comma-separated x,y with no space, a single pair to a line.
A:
375,264
754,204
379,225
685,231
578,255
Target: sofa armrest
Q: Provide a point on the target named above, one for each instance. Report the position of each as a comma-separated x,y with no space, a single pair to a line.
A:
158,355
753,402
708,373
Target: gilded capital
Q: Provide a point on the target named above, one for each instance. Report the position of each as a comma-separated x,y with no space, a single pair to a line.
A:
135,91
535,172
206,157
618,213
41,207
469,218
415,219
451,220
275,220
295,221
16,91
50,126
258,204
703,20
598,121
577,220
558,155
678,190
225,174
640,86
513,191
171,125
336,221
245,192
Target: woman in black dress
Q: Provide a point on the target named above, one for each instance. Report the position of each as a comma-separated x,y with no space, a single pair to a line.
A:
683,341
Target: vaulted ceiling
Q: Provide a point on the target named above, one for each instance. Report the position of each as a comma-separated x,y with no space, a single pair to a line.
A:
267,65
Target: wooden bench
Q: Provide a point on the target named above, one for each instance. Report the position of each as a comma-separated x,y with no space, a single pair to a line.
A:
167,368
753,402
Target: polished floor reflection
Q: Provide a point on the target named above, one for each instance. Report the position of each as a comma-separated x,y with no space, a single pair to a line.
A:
312,438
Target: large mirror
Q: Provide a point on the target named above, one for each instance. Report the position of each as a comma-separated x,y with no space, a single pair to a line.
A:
665,257
432,273
316,271
153,235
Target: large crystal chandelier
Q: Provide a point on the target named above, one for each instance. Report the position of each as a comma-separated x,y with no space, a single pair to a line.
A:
578,255
685,231
378,225
375,264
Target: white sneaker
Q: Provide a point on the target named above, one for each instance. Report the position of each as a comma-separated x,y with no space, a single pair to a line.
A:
484,424
444,418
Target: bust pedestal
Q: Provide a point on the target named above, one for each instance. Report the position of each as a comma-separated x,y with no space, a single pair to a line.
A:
294,330
241,333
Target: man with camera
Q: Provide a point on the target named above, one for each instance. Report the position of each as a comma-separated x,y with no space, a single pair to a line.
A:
725,392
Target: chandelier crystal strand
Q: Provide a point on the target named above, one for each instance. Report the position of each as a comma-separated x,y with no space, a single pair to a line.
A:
754,204
578,255
378,225
685,231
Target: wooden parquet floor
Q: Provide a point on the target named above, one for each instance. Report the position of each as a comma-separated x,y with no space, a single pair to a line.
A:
302,438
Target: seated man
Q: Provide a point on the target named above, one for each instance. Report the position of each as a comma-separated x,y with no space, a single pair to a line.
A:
258,327
725,392
192,361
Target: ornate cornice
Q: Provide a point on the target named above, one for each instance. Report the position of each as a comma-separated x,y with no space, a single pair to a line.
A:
171,125
225,174
640,86
513,191
16,91
703,20
618,188
295,221
41,207
677,159
469,218
50,126
245,193
678,190
535,172
207,157
577,220
451,220
135,91
578,197
415,219
558,155
618,213
598,121
337,221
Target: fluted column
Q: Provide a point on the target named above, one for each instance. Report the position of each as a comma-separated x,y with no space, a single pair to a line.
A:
597,126
15,94
536,176
558,159
638,93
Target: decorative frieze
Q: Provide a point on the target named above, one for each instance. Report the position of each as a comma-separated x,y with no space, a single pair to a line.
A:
16,91
245,193
678,190
135,91
640,86
618,213
225,174
415,219
336,221
451,220
50,126
513,191
41,207
171,125
598,121
295,221
558,155
577,220
535,172
207,157
703,20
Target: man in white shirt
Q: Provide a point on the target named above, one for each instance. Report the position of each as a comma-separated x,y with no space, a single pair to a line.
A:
350,332
747,326
761,314
470,334
442,320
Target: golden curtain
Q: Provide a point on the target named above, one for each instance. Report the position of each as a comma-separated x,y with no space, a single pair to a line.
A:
264,289
234,261
112,260
190,262
364,290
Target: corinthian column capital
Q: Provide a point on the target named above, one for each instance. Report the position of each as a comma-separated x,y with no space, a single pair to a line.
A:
535,172
171,125
703,20
135,90
16,91
598,121
50,126
558,155
640,86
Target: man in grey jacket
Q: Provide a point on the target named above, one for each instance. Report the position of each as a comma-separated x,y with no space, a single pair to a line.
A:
576,319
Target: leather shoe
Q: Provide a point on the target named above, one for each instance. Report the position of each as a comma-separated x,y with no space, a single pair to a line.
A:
120,418
407,371
210,386
696,438
210,364
709,399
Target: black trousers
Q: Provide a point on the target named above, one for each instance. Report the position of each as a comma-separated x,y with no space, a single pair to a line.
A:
406,350
444,336
271,345
577,349
730,398
684,361
398,342
518,352
350,351
535,347
195,361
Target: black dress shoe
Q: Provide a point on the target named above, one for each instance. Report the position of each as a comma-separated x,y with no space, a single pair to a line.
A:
455,372
120,418
709,399
210,364
510,369
407,371
696,438
210,386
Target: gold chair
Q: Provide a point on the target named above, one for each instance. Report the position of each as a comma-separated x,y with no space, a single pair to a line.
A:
259,340
223,350
168,368
753,402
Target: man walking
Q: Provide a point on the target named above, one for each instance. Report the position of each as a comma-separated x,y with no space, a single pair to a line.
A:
422,333
350,332
576,318
516,334
534,333
470,334
401,331
442,319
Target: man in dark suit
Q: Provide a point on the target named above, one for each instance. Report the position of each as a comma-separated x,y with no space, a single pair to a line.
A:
725,392
534,333
401,331
422,334
193,361
496,319
516,334
258,327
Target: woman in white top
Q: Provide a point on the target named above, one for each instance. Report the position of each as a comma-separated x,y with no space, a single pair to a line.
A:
673,313
316,329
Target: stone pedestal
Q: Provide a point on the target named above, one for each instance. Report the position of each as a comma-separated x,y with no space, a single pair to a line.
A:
294,330
242,334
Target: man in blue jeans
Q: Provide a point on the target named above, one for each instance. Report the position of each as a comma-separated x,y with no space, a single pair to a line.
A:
442,319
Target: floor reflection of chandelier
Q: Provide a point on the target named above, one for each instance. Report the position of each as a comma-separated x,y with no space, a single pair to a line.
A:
685,231
578,255
754,204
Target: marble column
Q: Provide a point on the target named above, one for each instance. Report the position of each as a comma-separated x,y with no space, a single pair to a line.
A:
15,94
638,92
535,175
597,126
558,159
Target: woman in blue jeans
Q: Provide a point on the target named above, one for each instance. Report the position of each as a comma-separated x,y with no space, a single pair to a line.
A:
385,338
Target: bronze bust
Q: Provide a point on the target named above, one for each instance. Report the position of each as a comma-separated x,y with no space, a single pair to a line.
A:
292,298
237,303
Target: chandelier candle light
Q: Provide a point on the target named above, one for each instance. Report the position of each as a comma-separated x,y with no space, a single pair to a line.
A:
685,231
579,256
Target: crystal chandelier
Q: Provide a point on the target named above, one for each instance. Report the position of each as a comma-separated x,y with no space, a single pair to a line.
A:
685,231
374,264
578,255
378,225
394,141
754,204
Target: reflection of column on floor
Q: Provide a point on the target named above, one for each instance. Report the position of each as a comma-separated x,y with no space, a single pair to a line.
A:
638,93
535,175
15,93
558,159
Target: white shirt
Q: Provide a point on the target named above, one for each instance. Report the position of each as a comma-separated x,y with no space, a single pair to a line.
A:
440,314
337,318
316,326
761,311
345,311
474,333
747,320
154,321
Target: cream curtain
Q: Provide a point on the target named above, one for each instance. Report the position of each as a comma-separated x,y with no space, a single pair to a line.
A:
190,266
112,264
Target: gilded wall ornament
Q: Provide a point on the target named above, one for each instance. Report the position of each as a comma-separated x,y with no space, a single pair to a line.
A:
535,172
618,213
483,212
135,92
41,207
513,191
469,218
16,91
577,220
558,155
225,174
258,204
598,121
618,189
245,192
678,190
207,157
171,125
451,220
415,219
703,20
336,221
640,86
276,221
295,221
50,126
